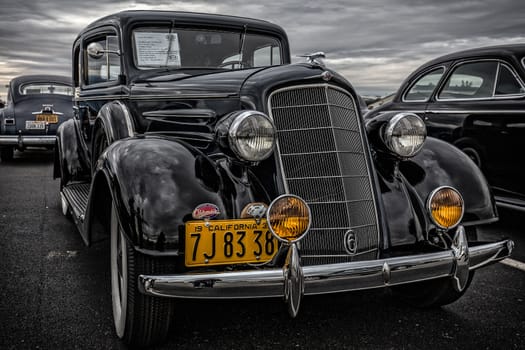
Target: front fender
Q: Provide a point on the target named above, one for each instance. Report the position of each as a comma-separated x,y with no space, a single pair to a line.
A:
157,182
441,164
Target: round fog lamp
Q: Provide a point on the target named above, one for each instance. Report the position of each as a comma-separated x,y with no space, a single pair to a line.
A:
288,218
252,136
405,134
446,207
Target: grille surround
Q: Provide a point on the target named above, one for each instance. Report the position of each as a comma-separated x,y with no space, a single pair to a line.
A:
320,146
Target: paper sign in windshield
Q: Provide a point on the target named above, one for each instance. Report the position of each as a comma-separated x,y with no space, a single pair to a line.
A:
157,49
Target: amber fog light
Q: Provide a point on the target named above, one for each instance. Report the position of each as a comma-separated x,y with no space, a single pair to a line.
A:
288,218
446,207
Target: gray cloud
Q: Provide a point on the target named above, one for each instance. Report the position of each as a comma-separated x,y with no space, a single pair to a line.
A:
375,44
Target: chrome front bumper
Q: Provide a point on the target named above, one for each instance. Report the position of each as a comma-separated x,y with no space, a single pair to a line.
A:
277,282
22,141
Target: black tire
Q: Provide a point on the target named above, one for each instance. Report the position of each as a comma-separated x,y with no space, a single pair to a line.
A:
6,154
430,294
140,320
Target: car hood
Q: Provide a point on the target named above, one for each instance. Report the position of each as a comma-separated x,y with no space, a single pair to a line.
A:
214,84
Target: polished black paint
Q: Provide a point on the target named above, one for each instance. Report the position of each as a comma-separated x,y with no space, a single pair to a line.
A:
172,160
22,107
492,128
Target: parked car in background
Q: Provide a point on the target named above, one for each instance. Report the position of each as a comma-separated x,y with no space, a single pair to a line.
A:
36,106
217,170
475,100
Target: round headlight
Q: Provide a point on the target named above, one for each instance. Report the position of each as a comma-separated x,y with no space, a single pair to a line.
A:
252,136
446,208
288,218
405,134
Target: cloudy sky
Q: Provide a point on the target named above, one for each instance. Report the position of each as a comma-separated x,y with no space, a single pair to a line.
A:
373,43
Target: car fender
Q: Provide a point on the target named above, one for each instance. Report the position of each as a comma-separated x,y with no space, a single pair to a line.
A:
442,164
156,182
69,163
116,120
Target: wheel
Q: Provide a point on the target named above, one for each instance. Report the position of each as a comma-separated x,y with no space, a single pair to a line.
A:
430,294
140,320
6,153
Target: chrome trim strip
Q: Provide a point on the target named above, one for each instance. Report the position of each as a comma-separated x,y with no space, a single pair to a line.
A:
331,278
479,111
510,206
27,140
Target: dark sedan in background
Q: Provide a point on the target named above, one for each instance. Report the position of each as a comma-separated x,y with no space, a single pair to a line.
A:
475,100
36,105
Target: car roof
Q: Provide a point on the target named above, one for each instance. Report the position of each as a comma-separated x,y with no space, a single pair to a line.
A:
489,51
124,17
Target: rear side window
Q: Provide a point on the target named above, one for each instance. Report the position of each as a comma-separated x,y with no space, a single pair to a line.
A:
471,81
424,86
507,83
481,80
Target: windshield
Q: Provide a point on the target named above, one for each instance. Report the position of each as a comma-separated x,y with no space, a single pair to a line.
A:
157,47
46,88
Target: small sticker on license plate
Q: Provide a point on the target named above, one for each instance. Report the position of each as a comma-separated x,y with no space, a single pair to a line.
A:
226,242
35,125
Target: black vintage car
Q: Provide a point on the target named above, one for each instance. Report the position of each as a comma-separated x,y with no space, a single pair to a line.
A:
217,170
36,106
475,100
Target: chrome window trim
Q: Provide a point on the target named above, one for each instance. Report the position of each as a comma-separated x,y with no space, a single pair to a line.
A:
515,75
419,77
493,97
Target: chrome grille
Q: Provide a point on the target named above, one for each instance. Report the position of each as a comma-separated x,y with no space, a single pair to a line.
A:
323,160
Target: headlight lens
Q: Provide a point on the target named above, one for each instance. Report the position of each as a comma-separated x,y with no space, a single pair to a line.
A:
252,136
446,207
405,134
288,218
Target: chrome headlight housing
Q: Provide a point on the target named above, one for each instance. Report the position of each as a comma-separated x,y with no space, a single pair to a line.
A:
251,136
446,207
405,134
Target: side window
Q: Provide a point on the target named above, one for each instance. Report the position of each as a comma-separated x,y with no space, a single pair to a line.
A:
105,67
424,86
507,83
471,81
267,56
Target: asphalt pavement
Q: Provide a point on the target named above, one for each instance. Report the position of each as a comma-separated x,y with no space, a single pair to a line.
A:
55,293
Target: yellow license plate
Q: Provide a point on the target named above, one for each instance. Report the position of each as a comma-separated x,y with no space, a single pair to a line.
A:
50,118
221,242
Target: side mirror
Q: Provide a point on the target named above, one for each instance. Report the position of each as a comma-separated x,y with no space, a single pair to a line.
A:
95,50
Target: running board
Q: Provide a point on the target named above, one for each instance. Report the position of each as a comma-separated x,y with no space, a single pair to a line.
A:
74,199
